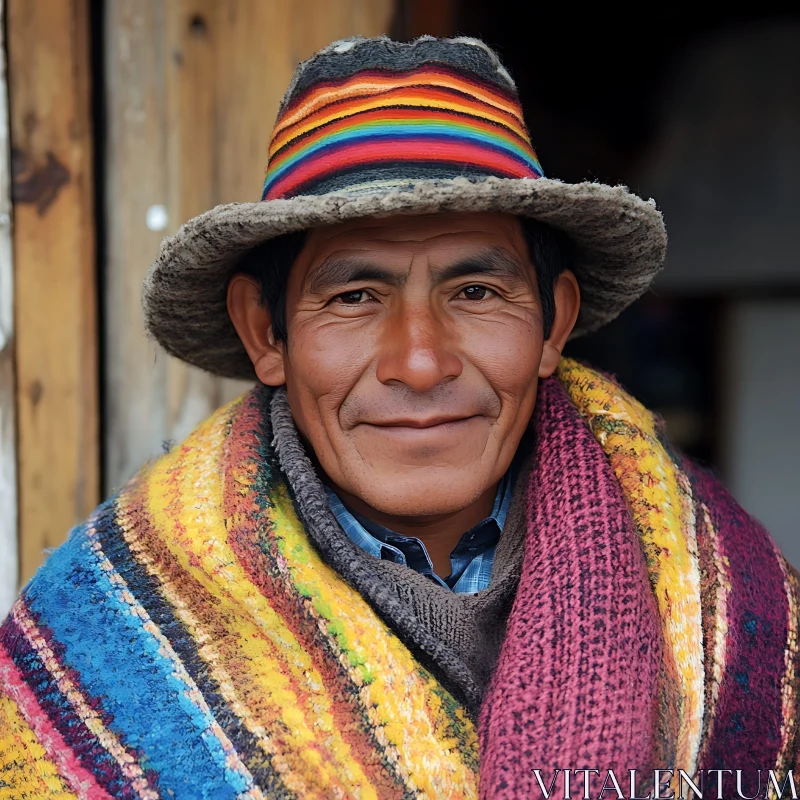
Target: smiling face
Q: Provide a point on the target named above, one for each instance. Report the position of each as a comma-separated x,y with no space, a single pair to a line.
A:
414,349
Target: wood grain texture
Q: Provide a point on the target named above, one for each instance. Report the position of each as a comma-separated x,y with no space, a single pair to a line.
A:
9,550
55,271
192,92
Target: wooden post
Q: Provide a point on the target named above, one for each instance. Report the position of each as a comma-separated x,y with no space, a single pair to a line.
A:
54,270
9,563
192,92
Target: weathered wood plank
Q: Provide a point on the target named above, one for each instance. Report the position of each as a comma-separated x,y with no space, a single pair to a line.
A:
9,549
193,89
135,415
55,270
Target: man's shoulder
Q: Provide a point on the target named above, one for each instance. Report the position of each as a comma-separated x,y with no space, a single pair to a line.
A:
602,400
187,473
634,436
598,384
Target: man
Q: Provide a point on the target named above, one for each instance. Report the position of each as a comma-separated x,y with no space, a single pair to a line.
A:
425,556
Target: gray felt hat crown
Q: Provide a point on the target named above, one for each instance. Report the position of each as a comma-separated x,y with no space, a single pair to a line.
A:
372,128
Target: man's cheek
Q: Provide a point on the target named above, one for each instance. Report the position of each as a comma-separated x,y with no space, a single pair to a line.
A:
329,364
510,368
324,375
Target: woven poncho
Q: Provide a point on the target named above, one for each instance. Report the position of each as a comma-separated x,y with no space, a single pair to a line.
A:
188,641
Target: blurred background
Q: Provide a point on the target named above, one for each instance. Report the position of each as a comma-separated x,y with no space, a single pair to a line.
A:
120,119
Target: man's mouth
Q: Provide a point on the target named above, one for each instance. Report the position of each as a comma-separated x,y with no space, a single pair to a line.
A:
436,424
427,422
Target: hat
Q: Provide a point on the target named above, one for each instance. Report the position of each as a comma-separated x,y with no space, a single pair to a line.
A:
375,128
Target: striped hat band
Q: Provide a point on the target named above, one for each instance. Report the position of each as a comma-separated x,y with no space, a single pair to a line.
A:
378,128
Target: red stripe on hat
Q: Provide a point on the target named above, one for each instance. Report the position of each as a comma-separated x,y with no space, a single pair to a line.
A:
426,150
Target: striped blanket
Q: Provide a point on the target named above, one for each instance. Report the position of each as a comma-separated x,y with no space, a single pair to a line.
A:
187,641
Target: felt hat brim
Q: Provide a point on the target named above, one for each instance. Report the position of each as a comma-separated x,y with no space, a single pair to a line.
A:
620,244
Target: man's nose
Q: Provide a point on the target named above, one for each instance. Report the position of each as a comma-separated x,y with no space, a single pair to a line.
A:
417,351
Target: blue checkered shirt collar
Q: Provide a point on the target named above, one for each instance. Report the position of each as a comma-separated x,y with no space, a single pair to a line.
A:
471,561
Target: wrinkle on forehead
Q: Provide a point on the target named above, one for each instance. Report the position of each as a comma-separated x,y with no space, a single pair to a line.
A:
368,247
340,269
419,227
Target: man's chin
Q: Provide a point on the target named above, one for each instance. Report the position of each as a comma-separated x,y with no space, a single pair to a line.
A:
445,491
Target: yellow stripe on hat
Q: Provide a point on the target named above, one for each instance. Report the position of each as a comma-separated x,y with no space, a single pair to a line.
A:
361,85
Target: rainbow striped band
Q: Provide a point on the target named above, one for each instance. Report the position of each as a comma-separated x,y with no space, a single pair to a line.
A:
378,128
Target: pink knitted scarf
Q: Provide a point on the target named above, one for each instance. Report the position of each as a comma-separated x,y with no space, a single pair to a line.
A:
655,625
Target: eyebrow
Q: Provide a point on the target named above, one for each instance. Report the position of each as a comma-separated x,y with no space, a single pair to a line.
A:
341,270
491,261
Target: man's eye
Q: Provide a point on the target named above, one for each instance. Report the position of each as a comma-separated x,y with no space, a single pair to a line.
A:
476,292
354,298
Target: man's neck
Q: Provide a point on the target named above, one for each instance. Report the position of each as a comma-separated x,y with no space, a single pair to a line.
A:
440,533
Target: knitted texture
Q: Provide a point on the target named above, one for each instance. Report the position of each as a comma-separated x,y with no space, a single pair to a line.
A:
375,128
385,128
190,641
702,672
457,635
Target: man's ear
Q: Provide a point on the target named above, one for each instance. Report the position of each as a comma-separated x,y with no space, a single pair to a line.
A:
253,323
567,297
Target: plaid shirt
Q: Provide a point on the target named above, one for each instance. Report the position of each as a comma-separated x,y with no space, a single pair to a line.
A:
471,560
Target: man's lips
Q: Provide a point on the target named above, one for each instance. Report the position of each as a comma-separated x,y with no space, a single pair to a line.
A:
428,422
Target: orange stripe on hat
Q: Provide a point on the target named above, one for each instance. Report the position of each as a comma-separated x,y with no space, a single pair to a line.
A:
412,96
377,81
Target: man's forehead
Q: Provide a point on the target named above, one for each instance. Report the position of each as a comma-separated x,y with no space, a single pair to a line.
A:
444,247
443,238
421,228
340,269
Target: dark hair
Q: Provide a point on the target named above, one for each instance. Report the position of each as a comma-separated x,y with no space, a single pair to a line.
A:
551,251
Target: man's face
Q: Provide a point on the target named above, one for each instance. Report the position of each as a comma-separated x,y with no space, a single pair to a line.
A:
413,355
